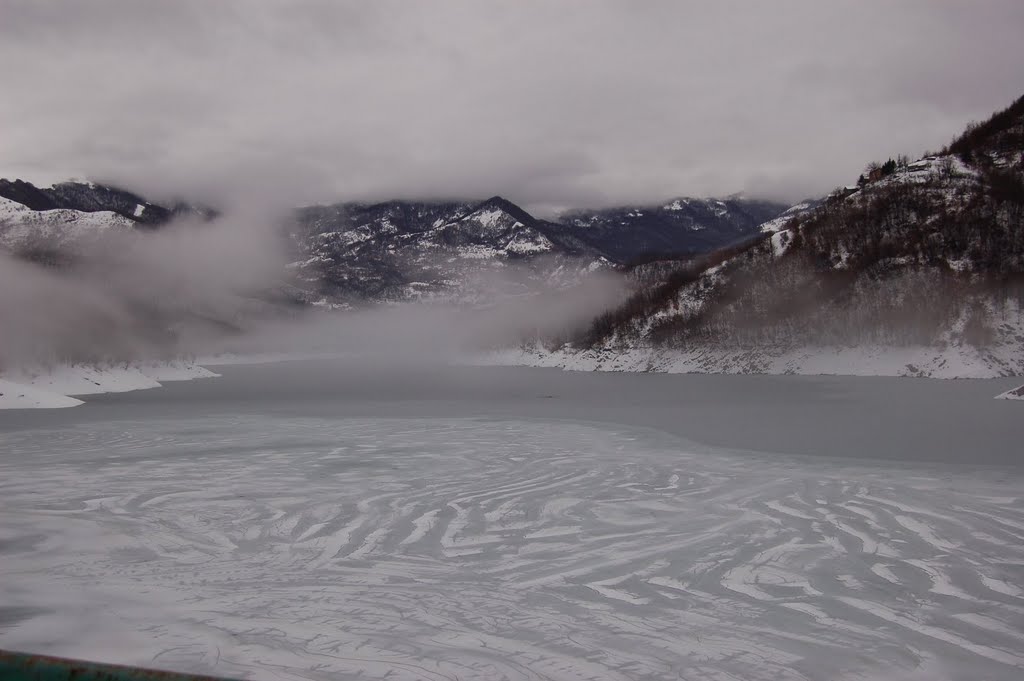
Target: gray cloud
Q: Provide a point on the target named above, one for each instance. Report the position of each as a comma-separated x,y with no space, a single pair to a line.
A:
553,104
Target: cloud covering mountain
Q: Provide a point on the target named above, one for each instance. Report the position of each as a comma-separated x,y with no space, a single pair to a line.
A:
554,105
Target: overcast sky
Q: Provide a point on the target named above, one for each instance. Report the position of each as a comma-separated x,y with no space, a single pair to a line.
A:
552,104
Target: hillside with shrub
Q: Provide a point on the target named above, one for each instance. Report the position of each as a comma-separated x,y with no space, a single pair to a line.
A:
922,259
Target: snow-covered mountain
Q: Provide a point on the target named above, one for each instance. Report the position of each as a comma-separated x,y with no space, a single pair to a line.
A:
918,269
413,250
89,197
399,251
919,263
51,235
355,253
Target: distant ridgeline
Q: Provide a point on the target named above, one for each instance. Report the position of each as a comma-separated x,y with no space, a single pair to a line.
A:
72,237
355,253
88,197
448,250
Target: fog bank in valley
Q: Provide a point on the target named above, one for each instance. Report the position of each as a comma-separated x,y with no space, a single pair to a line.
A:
131,294
198,288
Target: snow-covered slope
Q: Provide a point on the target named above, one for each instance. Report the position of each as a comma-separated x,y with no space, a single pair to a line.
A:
401,251
23,230
353,253
398,251
89,197
776,224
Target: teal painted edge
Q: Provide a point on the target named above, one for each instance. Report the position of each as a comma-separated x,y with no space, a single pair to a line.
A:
28,667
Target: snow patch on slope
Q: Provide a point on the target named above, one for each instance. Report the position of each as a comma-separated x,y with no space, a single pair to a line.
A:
778,223
489,217
781,241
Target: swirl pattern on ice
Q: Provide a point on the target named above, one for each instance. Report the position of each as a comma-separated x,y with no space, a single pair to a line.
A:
446,549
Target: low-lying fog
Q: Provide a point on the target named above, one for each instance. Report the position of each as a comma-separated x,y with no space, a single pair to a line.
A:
199,288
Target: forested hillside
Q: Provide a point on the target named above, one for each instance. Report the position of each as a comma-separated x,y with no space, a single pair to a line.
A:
926,253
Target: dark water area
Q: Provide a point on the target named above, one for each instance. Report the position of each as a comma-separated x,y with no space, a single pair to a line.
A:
899,420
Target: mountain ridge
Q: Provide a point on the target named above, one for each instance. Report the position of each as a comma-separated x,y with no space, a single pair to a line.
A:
354,252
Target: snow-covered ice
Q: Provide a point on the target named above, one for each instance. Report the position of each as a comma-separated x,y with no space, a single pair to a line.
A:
47,387
276,546
21,396
1015,394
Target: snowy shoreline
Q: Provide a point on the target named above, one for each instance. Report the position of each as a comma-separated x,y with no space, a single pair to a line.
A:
1015,394
951,362
57,387
54,387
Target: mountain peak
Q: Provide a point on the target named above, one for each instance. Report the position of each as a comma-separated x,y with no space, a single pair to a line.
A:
503,204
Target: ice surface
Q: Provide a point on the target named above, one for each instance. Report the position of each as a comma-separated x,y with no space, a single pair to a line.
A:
240,538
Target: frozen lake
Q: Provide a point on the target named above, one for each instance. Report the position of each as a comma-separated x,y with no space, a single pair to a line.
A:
327,520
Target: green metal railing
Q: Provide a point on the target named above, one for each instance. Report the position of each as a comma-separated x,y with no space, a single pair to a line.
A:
25,667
